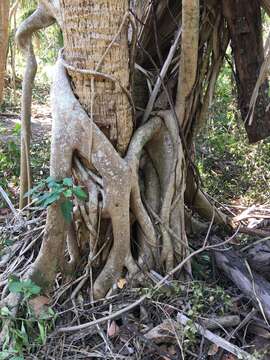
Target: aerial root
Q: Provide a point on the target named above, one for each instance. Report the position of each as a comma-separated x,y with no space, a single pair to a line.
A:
40,19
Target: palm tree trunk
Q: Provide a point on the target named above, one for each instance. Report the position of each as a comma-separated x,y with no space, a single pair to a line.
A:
91,44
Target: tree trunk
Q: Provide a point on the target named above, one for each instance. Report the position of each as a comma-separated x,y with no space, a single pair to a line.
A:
103,99
92,131
133,220
245,26
4,21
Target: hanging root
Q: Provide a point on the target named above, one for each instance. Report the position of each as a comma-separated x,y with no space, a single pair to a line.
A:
41,18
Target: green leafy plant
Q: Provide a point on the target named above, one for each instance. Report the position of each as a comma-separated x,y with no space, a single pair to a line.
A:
9,163
205,299
29,330
231,169
55,190
26,287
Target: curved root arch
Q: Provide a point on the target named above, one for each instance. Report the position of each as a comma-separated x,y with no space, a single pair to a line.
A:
113,187
101,228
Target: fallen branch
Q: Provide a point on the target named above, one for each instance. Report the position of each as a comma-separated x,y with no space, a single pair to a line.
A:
9,203
219,341
220,322
165,332
253,232
255,288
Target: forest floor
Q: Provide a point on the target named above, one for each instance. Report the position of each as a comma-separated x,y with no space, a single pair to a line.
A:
233,173
10,143
41,123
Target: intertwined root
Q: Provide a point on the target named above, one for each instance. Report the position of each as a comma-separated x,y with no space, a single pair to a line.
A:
81,150
113,187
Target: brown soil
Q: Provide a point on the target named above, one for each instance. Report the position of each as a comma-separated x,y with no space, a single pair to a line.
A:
41,123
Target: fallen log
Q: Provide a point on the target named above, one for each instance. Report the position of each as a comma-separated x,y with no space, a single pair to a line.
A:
167,330
259,258
220,322
254,286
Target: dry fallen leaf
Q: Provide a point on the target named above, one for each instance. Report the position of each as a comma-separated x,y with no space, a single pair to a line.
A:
164,349
121,283
4,211
172,350
113,329
229,357
38,304
213,350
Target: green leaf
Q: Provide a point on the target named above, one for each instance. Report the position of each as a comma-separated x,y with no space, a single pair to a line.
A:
68,193
52,184
24,335
35,189
17,129
31,287
80,193
5,355
49,179
49,198
8,242
68,182
5,311
15,286
27,287
42,332
66,208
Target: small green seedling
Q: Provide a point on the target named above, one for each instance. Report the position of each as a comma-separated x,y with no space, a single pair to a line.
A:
26,287
49,191
28,330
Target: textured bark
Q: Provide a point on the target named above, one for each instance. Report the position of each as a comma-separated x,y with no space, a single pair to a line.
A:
259,258
266,6
253,285
89,28
167,20
189,55
92,130
4,19
245,27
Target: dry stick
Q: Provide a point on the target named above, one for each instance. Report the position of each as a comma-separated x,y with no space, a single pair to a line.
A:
10,205
239,327
149,293
233,349
161,76
255,243
255,293
166,227
254,232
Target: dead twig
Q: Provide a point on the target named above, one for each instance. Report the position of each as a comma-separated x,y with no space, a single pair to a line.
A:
219,341
148,294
